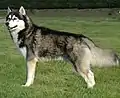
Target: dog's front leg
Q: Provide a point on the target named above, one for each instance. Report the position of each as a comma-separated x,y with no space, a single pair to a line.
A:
31,65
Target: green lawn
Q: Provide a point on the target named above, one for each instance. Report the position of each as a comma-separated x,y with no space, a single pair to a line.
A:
56,79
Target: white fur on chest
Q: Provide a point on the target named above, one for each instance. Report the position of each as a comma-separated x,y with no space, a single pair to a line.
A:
15,39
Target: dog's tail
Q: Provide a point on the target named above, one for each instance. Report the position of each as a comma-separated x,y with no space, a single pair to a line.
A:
104,58
101,57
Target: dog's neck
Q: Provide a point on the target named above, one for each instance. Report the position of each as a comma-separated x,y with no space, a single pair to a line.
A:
14,35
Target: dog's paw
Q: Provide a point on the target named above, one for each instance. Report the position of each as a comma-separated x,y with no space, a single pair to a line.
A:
91,85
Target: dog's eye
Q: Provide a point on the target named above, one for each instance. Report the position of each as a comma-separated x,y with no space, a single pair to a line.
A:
14,18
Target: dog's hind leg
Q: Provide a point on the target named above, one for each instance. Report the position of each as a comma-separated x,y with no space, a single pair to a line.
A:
31,65
82,65
89,77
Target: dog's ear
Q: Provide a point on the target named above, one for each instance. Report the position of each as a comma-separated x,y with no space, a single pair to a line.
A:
22,10
9,10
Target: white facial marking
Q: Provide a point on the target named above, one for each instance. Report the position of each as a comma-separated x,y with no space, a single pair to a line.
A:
10,16
15,24
14,17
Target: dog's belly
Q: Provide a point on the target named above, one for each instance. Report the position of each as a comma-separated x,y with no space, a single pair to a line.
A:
45,59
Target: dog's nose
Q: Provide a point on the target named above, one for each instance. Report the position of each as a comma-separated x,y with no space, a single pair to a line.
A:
7,23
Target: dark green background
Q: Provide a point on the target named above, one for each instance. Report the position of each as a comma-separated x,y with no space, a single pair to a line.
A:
41,4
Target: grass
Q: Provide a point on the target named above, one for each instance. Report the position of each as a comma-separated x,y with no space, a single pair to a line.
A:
56,79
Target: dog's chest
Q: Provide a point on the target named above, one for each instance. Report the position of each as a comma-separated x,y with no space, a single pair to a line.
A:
17,42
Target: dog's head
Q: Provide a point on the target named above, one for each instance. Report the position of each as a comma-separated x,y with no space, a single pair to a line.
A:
16,20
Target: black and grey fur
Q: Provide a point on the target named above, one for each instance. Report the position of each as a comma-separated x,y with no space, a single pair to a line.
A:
36,42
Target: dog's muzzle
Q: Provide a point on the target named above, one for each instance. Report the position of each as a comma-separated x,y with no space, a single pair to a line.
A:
10,28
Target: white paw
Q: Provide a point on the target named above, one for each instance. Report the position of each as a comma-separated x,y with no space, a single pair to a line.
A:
91,85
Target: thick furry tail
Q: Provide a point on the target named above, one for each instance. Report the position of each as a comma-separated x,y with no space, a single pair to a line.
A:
101,57
104,58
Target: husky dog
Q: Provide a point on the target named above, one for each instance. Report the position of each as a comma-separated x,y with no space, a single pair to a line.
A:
36,42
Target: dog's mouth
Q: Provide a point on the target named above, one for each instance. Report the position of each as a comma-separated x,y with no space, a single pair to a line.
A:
11,28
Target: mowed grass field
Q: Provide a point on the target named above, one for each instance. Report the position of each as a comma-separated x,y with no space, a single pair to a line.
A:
55,79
